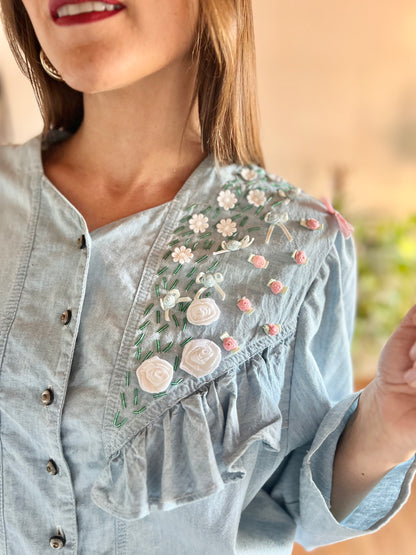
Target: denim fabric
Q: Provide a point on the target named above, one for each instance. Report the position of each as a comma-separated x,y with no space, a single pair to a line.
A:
232,457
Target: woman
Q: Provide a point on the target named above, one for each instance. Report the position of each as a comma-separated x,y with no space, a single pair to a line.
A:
176,321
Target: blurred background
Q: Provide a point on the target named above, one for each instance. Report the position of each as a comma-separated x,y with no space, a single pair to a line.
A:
337,88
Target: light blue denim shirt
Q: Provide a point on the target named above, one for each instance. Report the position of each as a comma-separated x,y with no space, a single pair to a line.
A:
175,382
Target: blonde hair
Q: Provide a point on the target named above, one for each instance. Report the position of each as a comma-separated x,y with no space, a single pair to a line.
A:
226,87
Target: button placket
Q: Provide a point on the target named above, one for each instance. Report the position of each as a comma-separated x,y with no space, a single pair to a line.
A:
58,541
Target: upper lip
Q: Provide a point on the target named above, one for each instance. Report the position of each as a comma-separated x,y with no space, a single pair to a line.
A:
54,5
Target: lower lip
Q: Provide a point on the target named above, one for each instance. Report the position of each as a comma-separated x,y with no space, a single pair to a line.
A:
85,17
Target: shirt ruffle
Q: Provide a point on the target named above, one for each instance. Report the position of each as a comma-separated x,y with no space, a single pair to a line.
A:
197,446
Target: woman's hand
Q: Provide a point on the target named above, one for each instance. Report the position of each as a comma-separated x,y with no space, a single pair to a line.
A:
382,431
393,391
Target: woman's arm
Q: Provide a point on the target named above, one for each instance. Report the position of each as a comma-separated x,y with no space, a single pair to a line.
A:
382,431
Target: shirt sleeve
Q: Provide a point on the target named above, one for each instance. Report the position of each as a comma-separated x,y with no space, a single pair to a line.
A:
322,401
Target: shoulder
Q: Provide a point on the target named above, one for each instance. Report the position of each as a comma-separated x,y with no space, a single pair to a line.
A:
276,239
17,164
19,156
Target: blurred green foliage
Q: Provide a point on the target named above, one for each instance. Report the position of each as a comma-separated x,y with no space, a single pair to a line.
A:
386,252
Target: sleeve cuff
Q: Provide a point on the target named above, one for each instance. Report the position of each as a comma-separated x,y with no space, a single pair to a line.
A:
319,526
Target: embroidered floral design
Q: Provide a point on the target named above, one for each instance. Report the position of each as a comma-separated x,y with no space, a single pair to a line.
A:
170,300
248,174
182,254
209,280
250,193
154,375
258,261
300,257
202,312
272,329
198,223
256,197
244,305
235,245
227,227
277,286
277,219
311,224
229,343
290,194
200,357
227,199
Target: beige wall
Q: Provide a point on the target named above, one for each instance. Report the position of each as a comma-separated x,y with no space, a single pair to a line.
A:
337,83
337,86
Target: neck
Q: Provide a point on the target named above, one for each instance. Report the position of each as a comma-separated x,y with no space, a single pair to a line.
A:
137,135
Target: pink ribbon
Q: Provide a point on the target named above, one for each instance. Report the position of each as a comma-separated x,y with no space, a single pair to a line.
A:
345,227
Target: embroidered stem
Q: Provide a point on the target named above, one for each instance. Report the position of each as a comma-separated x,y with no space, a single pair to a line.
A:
141,337
148,309
168,347
175,320
176,363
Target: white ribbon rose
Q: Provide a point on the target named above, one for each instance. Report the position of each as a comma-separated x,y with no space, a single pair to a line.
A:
202,312
200,357
154,375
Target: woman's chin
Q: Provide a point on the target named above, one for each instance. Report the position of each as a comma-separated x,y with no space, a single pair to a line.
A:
90,84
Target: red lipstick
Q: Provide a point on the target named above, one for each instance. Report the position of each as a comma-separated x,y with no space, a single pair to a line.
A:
86,17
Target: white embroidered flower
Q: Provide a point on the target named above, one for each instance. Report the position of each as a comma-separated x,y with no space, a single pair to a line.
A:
200,357
226,227
248,174
182,255
154,375
256,197
227,199
202,312
198,223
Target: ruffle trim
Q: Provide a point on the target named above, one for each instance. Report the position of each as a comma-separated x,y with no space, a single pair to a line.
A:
196,447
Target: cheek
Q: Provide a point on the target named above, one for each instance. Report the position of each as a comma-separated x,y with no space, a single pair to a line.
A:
166,28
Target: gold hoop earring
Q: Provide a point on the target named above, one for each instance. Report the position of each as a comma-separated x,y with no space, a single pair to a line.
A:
48,67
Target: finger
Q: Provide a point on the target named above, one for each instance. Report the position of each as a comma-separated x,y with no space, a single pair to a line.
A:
410,318
412,352
410,376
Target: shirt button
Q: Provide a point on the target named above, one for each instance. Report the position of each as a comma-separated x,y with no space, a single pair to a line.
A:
47,397
66,316
57,542
81,242
51,467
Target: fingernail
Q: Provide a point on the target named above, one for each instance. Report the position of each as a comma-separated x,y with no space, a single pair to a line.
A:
410,377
